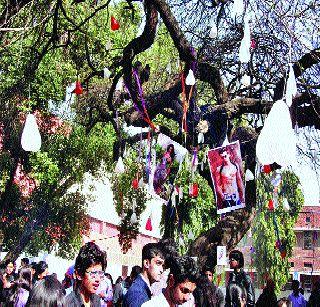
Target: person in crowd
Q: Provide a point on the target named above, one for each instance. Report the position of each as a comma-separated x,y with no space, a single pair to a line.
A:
181,283
7,279
135,271
169,250
105,291
48,292
89,271
152,268
24,263
314,299
296,298
21,289
118,292
238,295
268,297
207,294
283,302
240,278
41,270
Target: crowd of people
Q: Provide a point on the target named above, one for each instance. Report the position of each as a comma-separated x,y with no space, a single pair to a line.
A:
164,279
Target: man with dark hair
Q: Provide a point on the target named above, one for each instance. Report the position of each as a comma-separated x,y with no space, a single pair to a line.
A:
89,270
152,268
239,278
181,283
24,262
296,298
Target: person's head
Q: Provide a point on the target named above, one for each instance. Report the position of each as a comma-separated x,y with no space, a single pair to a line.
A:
41,270
283,302
295,286
24,262
208,272
236,260
224,154
182,279
317,285
152,262
48,292
270,286
89,268
9,266
26,275
119,280
135,271
169,250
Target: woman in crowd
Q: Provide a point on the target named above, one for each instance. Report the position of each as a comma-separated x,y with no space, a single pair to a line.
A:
41,270
21,289
48,292
7,279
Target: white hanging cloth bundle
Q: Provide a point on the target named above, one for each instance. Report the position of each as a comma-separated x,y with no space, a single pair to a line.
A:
244,51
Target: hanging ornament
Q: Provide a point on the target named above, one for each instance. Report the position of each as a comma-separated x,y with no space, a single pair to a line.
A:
149,224
106,73
203,126
283,253
78,90
133,219
248,175
237,9
141,182
266,169
270,204
31,138
253,44
278,244
244,51
277,141
119,86
194,190
190,80
135,183
200,138
245,80
119,169
168,68
181,242
291,89
285,204
180,193
190,235
108,45
114,24
214,31
276,180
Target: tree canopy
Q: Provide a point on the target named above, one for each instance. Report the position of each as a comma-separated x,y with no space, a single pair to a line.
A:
46,45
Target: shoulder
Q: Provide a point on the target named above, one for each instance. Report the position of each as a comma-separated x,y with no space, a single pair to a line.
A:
158,300
72,300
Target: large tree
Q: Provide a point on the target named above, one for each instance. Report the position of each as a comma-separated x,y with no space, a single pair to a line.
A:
43,33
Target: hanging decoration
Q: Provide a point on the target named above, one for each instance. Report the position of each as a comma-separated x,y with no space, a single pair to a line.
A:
193,190
149,224
190,80
31,138
245,80
135,183
119,169
285,204
279,147
248,175
114,24
78,89
119,86
244,51
222,255
291,88
190,235
213,31
237,9
106,73
270,205
226,172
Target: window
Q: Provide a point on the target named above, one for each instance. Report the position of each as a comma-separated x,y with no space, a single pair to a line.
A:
307,240
307,265
292,264
308,219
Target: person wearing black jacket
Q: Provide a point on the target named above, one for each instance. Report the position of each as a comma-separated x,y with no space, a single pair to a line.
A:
268,297
241,279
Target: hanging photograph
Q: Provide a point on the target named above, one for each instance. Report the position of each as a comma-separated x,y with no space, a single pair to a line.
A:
227,176
168,164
